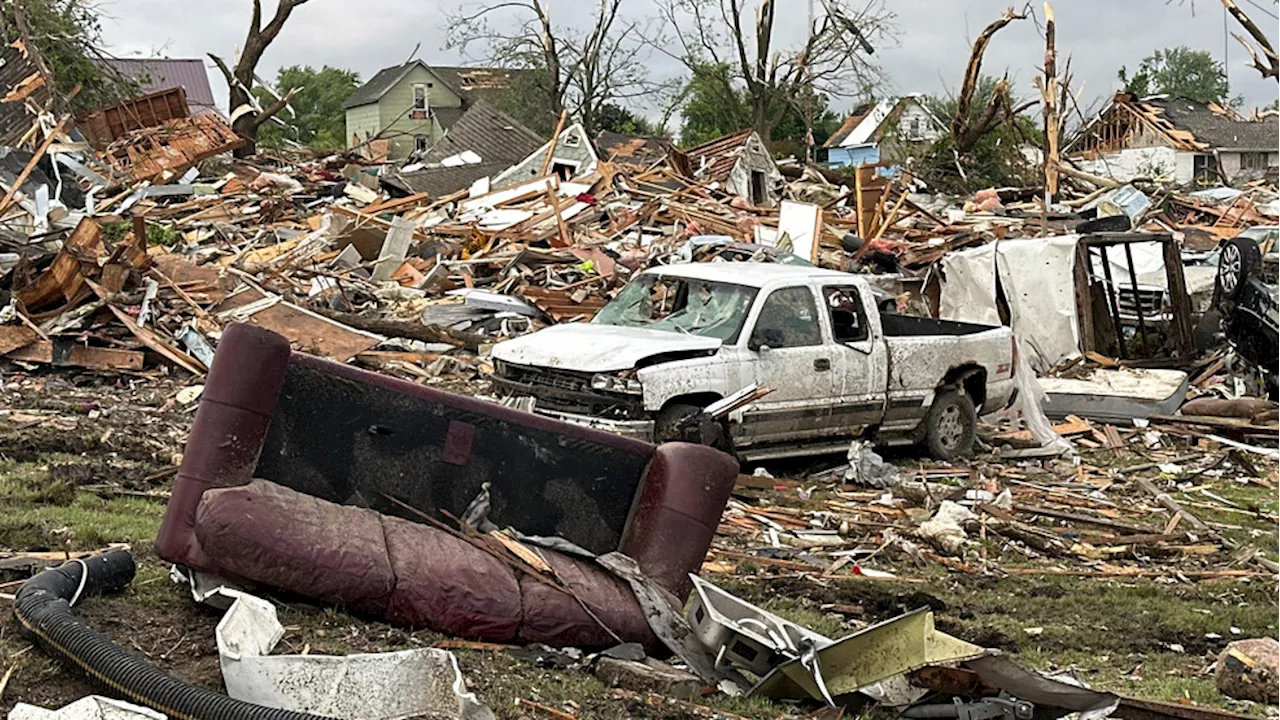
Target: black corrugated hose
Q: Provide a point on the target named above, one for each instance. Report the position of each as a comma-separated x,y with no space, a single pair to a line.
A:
43,606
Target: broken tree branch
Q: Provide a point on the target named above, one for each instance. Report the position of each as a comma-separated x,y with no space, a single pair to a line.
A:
1271,68
960,129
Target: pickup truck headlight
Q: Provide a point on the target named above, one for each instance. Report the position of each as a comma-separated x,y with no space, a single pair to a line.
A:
613,383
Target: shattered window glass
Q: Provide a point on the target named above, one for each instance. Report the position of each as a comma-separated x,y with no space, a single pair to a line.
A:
693,307
790,316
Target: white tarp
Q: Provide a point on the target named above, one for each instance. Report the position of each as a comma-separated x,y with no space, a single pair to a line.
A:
1037,276
423,682
92,707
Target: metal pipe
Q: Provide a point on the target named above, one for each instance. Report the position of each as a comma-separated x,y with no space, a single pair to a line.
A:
1137,298
1111,302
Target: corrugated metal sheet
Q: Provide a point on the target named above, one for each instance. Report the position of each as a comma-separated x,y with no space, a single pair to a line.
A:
158,74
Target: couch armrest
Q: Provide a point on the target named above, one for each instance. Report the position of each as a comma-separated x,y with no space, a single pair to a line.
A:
227,435
671,525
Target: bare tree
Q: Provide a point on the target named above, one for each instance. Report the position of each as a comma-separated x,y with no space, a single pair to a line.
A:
577,68
248,115
833,59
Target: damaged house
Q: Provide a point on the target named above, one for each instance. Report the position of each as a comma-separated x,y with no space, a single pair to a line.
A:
1177,140
412,106
739,164
889,131
484,142
574,155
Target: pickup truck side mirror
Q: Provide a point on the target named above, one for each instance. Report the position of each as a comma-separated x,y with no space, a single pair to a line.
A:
764,338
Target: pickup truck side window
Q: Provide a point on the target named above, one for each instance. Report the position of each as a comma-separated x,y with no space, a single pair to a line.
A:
848,315
789,318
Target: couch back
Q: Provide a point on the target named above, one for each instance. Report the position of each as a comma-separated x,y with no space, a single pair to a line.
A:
360,438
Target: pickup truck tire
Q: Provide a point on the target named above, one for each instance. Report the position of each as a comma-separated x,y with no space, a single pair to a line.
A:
679,422
1239,259
951,425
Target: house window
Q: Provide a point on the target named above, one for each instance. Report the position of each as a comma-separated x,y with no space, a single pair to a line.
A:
564,169
1204,169
421,143
570,140
915,128
1253,161
420,96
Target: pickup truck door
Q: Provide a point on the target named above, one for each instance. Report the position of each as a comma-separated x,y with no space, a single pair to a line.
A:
788,352
859,360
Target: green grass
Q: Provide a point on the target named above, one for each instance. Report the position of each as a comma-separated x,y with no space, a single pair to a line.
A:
46,514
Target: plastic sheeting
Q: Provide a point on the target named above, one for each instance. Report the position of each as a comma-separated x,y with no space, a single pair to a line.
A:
92,707
1037,278
424,682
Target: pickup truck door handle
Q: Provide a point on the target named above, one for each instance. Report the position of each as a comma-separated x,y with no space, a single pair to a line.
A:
822,364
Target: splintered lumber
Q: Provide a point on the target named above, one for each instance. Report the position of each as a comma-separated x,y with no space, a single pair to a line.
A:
31,165
1077,517
1170,504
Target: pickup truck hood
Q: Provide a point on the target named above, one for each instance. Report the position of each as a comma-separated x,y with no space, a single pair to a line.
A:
587,347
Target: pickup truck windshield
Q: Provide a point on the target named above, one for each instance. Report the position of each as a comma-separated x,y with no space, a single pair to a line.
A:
695,307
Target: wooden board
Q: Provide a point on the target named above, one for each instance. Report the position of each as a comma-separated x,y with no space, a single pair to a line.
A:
13,337
82,356
306,331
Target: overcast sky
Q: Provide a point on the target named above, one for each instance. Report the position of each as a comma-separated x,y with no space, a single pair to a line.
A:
928,56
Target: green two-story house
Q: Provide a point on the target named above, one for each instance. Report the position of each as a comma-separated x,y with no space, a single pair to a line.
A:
412,105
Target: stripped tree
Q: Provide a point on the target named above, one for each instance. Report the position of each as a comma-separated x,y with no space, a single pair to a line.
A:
247,115
964,129
712,36
569,67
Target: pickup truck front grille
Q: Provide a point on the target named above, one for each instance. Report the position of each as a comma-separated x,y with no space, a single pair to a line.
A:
1150,299
566,391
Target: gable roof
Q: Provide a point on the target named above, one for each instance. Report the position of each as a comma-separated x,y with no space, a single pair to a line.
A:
489,133
463,81
156,74
714,160
868,122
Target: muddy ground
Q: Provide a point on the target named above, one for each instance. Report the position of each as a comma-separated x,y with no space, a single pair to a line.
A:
85,461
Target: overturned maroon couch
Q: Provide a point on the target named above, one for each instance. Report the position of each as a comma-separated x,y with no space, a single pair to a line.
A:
328,447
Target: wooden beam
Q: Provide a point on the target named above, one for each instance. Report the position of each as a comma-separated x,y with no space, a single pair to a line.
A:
95,358
31,165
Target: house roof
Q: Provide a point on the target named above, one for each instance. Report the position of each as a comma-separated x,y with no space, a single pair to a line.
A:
1214,125
489,133
630,150
441,181
156,74
868,122
499,140
1185,125
465,81
714,160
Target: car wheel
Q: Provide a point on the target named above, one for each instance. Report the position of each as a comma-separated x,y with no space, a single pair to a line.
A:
951,425
679,422
1240,258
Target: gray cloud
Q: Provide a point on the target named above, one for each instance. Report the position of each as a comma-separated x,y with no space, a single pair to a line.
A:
931,49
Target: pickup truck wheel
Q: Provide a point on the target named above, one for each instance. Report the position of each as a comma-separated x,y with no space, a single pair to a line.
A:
1239,259
678,422
951,425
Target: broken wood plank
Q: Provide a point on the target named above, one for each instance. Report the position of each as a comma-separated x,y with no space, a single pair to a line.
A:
1170,504
13,337
94,358
1077,517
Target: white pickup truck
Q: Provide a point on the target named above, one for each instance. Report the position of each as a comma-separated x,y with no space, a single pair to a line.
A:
680,337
